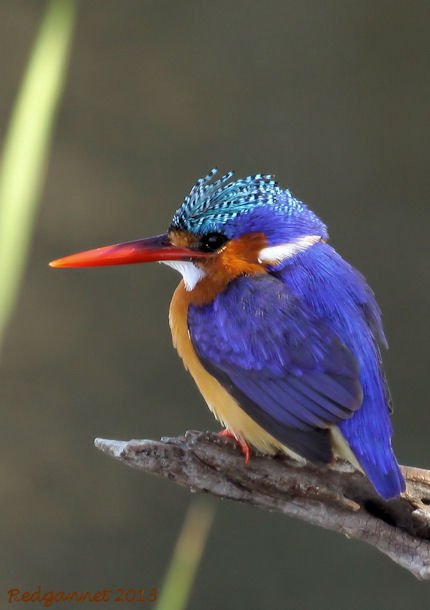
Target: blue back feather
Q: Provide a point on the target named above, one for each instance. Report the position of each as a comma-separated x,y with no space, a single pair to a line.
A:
339,294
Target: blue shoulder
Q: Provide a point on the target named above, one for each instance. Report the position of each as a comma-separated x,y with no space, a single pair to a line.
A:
335,290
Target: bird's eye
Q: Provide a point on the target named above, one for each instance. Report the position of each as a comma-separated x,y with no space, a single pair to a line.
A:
212,242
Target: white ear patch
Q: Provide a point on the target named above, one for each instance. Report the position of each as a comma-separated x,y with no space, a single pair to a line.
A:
190,273
276,254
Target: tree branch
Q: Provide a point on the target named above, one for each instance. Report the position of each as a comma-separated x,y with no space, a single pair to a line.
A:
336,497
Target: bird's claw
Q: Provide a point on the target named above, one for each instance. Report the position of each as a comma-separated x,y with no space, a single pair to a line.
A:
244,447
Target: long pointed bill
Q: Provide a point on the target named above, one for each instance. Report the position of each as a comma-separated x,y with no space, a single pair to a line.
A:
149,250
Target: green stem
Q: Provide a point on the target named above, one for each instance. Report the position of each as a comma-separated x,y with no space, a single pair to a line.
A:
186,556
26,147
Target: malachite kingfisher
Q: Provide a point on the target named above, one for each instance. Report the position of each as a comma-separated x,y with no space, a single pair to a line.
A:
281,335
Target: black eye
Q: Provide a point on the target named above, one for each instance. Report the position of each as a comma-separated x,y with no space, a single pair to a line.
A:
212,242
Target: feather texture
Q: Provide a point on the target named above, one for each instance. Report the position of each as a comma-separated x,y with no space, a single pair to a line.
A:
285,367
339,295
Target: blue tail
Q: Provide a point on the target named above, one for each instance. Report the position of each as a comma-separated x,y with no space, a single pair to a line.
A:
383,472
388,484
370,441
369,431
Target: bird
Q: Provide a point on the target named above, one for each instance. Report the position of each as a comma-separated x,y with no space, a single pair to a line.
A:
282,336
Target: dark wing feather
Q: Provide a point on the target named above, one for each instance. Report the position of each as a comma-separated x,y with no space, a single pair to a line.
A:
285,367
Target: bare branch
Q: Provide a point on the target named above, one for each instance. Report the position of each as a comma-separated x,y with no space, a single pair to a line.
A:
336,497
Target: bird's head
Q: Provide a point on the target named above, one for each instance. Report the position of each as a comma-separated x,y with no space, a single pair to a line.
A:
223,229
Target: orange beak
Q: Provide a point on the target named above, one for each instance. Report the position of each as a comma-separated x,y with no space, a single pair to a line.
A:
149,250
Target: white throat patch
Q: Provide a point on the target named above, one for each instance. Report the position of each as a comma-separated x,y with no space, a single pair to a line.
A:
276,254
190,273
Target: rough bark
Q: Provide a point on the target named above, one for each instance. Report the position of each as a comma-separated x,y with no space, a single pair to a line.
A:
335,497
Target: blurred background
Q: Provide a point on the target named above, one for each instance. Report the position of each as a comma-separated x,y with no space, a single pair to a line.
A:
332,97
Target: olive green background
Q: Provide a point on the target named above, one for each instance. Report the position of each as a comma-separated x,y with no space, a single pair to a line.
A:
333,97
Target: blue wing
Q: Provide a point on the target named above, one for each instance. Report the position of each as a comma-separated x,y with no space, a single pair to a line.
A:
284,366
339,294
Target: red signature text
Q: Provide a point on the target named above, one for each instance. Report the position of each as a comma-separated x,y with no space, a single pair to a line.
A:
48,598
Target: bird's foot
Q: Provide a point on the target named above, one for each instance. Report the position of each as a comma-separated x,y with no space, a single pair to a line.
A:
244,447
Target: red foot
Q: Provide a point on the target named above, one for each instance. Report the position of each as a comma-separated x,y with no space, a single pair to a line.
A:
244,447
